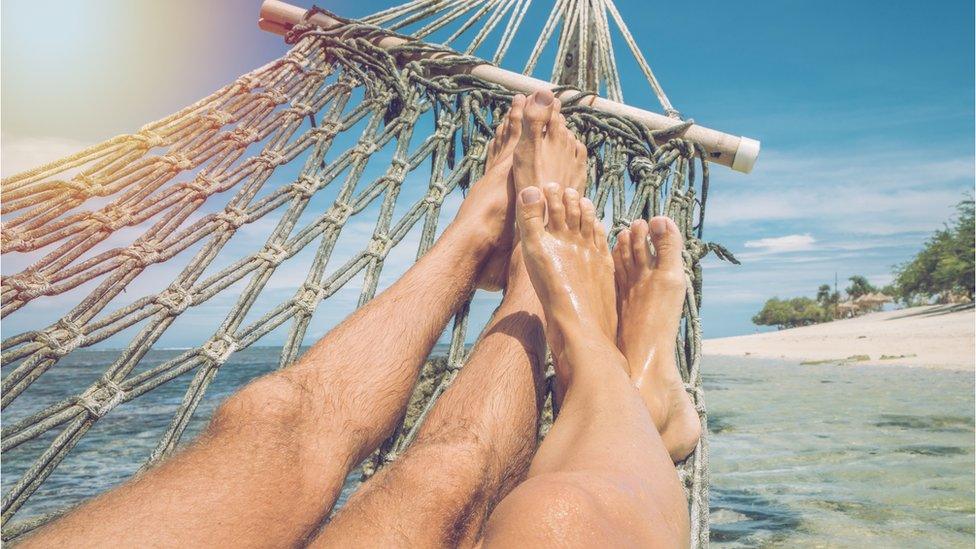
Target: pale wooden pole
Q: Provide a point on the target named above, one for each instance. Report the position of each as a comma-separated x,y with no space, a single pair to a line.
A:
739,153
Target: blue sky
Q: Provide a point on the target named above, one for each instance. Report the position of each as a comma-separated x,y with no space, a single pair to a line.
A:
865,111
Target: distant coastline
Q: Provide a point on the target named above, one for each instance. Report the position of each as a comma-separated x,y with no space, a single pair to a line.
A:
936,336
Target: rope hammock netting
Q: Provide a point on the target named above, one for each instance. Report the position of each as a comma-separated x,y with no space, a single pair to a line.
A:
275,151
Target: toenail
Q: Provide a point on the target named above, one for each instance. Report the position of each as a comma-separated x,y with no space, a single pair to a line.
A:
552,186
531,195
659,226
543,98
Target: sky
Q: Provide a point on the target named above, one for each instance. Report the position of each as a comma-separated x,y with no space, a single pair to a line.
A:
864,109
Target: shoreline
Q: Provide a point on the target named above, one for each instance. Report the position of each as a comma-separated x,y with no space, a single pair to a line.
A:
932,336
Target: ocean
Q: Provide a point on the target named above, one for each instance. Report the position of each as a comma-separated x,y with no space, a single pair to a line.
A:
800,455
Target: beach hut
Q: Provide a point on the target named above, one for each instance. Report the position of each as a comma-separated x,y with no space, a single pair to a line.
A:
872,301
847,309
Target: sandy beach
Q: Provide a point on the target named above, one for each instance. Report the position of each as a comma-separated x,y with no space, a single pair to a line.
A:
931,337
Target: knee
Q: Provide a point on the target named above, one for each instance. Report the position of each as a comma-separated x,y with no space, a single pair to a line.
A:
547,508
274,400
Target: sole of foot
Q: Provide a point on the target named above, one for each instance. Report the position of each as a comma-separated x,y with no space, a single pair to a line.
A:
651,290
498,169
547,151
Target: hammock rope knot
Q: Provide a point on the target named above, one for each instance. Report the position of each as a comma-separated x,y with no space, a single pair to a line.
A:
306,186
243,136
217,118
308,298
13,240
218,350
101,398
148,139
379,246
178,162
233,217
65,336
85,186
273,254
175,300
338,213
271,158
143,253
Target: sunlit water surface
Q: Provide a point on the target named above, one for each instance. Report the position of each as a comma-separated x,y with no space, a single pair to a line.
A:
854,456
801,455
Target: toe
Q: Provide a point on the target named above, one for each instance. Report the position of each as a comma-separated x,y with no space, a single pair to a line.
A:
536,114
641,253
515,115
531,207
587,217
626,251
600,236
571,201
554,202
667,241
554,127
580,152
619,271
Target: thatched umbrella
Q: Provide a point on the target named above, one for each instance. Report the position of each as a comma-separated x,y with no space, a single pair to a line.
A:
872,301
847,308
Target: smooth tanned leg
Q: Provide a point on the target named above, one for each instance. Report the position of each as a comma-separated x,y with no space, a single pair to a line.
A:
602,475
651,291
272,462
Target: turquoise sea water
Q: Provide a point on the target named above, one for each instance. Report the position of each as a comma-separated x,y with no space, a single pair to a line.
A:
801,455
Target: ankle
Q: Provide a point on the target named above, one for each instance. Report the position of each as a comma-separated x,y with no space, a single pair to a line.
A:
475,239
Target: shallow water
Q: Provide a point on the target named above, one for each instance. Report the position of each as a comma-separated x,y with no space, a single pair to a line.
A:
801,455
853,456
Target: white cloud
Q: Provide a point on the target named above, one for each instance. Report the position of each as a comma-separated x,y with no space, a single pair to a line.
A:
780,244
18,154
878,192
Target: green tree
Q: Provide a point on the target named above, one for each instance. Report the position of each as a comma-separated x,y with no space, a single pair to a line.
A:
790,313
945,265
859,286
823,295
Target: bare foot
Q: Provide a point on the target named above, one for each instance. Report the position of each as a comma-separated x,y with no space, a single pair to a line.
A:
571,270
651,291
547,150
497,178
534,145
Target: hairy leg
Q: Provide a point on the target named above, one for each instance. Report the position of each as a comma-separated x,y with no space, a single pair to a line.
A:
274,458
482,431
651,291
602,475
473,448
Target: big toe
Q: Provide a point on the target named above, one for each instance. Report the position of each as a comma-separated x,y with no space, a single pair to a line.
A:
538,109
667,241
531,210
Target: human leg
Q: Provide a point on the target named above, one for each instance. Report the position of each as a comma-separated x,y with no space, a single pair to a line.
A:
602,475
651,290
272,462
472,449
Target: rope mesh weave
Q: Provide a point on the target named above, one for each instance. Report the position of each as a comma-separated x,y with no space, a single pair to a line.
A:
160,181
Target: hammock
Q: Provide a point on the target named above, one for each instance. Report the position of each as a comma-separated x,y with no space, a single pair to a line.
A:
419,108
